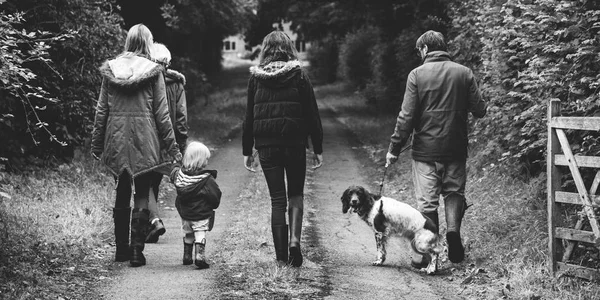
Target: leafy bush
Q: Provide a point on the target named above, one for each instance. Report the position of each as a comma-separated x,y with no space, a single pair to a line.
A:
323,58
49,74
356,54
526,53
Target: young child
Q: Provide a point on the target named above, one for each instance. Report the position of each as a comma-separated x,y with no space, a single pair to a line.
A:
197,196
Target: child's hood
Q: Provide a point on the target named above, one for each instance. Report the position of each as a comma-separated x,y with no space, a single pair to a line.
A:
192,180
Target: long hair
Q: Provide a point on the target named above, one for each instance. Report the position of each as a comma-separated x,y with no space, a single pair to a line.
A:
196,156
138,42
277,46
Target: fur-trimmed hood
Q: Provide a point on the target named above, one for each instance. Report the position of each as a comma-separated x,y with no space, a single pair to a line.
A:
174,76
130,72
276,73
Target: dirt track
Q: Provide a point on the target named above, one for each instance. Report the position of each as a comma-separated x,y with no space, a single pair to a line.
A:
342,245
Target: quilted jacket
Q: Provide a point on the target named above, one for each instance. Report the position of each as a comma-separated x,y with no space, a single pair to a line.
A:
281,109
175,83
439,96
132,120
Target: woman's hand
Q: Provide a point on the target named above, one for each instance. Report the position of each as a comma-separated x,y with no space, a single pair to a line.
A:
248,162
317,161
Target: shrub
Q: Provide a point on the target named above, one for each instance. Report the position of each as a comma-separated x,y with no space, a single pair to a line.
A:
529,53
58,71
323,58
356,54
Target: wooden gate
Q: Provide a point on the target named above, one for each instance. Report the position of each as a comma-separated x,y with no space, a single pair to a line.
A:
559,154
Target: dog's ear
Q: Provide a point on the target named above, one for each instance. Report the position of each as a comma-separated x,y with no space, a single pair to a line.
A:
346,201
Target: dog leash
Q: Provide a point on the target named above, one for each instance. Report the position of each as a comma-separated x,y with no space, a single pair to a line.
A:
386,168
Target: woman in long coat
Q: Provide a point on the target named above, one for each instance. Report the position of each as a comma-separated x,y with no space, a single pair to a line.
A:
131,126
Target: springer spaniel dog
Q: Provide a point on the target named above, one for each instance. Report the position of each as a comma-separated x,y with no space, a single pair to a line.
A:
387,217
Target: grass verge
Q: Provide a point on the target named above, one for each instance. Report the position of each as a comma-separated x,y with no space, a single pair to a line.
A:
505,231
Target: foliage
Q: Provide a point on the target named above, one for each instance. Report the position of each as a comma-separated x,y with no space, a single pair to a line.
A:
20,51
356,53
323,58
526,53
54,50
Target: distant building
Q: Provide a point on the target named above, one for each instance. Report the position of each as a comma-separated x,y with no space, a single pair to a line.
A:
236,46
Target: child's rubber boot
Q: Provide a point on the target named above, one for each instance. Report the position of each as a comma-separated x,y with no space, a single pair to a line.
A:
200,256
187,253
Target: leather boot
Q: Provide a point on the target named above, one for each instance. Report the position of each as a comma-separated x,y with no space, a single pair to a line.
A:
295,257
200,256
121,218
280,240
187,253
455,210
424,260
139,222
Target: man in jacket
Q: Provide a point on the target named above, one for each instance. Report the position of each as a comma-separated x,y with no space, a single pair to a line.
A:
438,98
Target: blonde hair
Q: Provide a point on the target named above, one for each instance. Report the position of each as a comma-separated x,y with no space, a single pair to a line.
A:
138,42
160,53
196,156
277,46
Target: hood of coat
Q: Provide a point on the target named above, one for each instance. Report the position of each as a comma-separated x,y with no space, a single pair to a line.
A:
174,76
192,180
276,73
129,72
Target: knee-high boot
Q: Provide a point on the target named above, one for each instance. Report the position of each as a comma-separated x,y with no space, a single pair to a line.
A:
139,221
280,240
295,217
121,218
423,260
455,210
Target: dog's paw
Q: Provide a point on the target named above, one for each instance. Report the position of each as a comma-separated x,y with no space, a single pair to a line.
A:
378,262
432,267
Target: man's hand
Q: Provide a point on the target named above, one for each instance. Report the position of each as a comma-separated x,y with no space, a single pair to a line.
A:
390,159
248,162
317,161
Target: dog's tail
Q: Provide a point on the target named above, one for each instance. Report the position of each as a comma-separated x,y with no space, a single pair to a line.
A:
379,220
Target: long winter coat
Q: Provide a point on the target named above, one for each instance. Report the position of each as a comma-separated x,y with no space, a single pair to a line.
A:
281,109
175,83
132,121
439,96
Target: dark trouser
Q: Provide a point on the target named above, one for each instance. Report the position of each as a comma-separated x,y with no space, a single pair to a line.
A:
291,162
153,197
142,185
277,162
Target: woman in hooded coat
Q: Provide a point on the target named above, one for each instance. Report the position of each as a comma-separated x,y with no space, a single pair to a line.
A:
131,126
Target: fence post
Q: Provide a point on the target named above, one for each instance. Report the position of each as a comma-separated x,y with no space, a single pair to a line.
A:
553,180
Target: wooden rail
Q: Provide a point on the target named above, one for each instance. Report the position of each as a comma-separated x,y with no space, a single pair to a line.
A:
588,200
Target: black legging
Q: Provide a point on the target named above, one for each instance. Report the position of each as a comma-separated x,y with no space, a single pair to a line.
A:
142,190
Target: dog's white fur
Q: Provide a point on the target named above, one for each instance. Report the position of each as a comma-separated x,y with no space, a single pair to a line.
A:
395,218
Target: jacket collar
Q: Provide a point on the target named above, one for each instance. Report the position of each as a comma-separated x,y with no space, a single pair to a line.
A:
275,69
129,72
435,56
175,76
